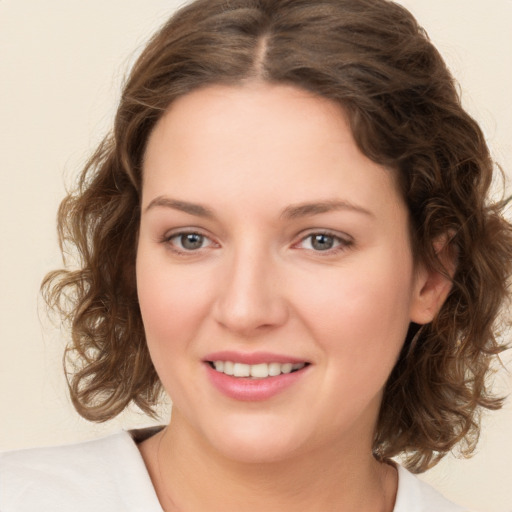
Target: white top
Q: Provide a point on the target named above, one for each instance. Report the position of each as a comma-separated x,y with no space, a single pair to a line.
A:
109,475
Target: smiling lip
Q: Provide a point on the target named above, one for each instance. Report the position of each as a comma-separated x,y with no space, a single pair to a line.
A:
249,389
252,358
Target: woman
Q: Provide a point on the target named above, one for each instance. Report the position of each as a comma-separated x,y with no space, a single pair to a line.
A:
288,232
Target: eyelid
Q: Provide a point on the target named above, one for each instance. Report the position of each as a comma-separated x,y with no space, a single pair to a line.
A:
344,241
169,235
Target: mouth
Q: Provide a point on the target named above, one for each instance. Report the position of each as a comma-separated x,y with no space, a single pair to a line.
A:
254,376
255,371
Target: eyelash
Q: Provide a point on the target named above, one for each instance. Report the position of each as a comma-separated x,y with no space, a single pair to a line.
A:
167,239
342,244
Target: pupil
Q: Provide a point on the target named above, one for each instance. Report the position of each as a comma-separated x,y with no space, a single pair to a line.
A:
322,242
192,241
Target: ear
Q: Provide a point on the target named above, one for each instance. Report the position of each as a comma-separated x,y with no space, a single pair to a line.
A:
431,287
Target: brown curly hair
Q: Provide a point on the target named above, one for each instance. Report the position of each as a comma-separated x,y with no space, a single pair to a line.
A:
373,58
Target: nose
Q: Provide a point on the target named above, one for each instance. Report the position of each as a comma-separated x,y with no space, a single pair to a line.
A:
251,297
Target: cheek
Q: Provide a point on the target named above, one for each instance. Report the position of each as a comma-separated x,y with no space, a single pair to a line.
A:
171,303
361,316
171,300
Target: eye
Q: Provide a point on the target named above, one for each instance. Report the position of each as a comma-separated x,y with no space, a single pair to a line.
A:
324,242
188,241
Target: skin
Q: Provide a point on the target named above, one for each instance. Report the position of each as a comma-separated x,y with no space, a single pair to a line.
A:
248,155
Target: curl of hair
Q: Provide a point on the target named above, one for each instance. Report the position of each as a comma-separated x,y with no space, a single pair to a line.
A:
372,58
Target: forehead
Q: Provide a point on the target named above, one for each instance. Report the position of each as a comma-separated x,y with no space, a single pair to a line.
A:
260,141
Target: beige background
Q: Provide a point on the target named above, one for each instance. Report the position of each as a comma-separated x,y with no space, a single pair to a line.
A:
61,65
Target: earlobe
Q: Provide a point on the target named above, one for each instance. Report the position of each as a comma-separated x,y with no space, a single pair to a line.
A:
432,286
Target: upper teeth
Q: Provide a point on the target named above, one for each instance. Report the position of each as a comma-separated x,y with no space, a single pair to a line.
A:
258,371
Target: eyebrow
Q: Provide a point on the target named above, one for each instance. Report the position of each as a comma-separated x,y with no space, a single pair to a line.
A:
183,206
290,212
316,208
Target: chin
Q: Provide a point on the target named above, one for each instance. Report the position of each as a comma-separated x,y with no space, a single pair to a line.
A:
256,442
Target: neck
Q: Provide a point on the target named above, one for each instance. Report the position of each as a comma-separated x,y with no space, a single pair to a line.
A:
189,475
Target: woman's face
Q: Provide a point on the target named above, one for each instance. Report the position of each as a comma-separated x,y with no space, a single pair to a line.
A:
269,242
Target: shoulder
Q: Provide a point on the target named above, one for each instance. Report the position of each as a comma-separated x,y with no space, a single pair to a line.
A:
104,474
415,495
